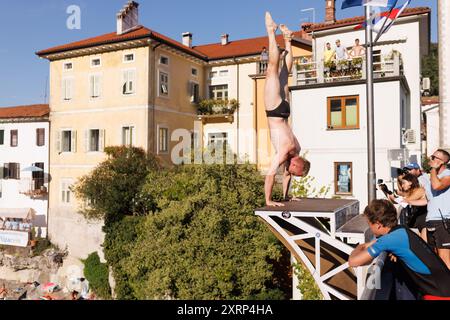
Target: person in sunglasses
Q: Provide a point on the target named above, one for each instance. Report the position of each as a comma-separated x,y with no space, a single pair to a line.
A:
438,206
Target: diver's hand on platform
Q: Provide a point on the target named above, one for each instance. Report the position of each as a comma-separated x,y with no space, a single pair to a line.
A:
274,204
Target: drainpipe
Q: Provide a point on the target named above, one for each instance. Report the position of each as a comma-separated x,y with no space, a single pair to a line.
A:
238,109
154,92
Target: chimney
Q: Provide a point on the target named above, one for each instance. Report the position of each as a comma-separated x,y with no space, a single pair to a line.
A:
128,17
187,39
225,39
330,11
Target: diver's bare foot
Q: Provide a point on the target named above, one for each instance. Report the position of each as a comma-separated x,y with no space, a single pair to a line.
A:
270,24
287,34
274,204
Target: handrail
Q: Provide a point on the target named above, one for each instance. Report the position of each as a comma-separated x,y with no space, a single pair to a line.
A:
374,270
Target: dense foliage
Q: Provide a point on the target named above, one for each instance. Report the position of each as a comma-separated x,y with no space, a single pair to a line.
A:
430,68
110,189
97,275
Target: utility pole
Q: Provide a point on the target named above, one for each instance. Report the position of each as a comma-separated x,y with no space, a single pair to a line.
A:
371,175
444,70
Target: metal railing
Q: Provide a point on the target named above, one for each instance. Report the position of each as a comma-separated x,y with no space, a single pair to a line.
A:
308,72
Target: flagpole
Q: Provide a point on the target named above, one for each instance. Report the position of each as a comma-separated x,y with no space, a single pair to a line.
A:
371,176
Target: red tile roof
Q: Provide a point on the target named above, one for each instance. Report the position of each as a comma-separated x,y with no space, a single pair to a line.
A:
244,47
205,52
358,20
31,111
139,32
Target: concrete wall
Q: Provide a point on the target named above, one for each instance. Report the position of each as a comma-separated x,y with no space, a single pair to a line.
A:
26,154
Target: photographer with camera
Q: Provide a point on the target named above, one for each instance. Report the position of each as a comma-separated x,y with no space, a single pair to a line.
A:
438,194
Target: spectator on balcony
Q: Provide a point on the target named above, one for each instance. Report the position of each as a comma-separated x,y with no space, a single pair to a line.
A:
341,52
412,261
264,60
357,51
329,55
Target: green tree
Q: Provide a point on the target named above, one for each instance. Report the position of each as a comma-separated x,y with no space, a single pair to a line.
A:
204,241
430,68
97,274
110,190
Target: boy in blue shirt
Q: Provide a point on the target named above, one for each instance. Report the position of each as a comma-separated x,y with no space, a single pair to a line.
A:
414,258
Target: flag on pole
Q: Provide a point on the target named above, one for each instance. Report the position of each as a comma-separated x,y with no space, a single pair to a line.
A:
374,3
385,20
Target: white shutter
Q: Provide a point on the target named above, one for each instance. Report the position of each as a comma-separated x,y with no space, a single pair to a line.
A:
102,140
63,89
69,89
63,192
133,136
125,82
86,141
92,86
58,139
131,81
74,141
97,86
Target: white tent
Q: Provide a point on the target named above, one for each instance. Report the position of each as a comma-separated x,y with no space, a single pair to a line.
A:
15,213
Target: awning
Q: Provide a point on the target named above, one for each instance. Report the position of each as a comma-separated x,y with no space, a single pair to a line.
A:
15,213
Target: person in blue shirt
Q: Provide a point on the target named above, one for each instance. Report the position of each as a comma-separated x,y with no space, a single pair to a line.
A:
413,257
438,204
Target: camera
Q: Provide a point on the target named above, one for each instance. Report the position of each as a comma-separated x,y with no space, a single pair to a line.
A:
402,172
384,187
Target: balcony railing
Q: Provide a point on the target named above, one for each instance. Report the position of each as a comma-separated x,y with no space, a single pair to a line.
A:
217,110
308,72
33,188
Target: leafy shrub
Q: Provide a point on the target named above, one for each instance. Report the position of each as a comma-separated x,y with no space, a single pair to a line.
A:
97,274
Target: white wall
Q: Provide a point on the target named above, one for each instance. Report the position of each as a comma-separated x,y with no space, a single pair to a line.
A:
245,140
404,29
26,153
325,147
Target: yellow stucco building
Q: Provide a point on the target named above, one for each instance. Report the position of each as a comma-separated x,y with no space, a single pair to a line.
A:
136,87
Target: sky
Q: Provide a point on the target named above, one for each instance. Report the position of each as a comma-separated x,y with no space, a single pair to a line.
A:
28,26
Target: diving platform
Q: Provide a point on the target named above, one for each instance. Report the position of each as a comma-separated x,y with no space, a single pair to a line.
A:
321,234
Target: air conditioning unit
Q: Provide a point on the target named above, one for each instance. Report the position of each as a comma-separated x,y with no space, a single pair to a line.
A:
426,84
409,136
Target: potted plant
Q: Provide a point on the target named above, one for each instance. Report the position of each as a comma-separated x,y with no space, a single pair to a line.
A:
33,240
357,62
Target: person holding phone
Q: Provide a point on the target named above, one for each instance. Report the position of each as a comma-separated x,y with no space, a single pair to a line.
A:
438,206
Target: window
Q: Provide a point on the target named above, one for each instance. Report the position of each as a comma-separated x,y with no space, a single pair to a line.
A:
66,193
218,92
163,140
96,62
195,92
67,89
129,79
40,137
68,66
128,58
93,140
164,60
94,86
2,137
223,73
343,178
11,171
128,136
377,65
343,112
163,84
194,72
212,74
67,141
38,176
218,139
14,138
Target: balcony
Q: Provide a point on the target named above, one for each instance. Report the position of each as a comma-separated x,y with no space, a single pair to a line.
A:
308,72
217,111
33,188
